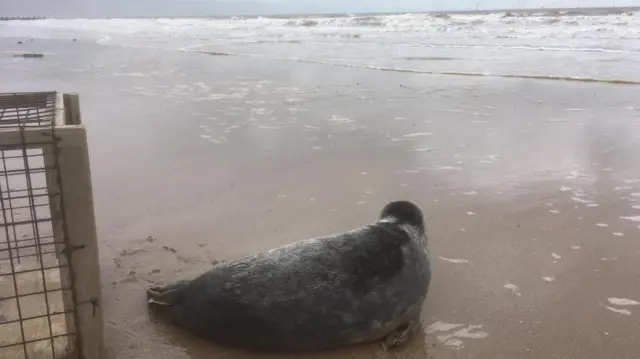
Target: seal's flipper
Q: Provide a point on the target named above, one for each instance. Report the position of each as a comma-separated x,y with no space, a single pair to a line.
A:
400,336
168,295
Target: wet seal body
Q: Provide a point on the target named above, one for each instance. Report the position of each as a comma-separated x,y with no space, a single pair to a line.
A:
364,285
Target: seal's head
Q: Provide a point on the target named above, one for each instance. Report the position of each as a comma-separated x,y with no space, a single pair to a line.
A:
404,212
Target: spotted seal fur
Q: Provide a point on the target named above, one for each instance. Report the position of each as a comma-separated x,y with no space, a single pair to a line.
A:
364,285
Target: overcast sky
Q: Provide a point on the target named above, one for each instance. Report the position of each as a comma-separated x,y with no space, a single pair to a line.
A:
132,8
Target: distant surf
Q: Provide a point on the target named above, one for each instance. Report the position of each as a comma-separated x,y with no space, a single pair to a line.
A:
583,45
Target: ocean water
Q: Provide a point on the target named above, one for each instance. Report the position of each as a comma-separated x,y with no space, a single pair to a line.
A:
575,45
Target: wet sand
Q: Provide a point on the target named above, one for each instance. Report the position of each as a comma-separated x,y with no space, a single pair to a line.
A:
531,189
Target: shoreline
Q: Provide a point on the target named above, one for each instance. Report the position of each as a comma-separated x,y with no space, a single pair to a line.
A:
44,50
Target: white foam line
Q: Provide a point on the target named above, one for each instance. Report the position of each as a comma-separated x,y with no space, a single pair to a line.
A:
548,279
445,168
440,326
621,188
580,200
620,311
339,119
452,340
556,256
420,149
418,134
622,302
574,175
632,219
454,260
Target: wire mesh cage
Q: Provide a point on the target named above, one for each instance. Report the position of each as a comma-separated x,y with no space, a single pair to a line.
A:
49,272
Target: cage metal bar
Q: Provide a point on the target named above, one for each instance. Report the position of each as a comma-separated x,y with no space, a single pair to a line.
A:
17,100
36,254
40,317
22,172
18,223
34,270
13,276
34,206
14,105
27,156
31,245
36,293
35,195
19,115
31,239
39,137
28,250
33,220
36,232
37,112
39,340
6,177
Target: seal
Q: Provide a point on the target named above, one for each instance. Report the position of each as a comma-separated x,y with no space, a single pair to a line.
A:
364,285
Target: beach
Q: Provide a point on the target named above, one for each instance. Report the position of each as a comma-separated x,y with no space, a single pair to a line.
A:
202,152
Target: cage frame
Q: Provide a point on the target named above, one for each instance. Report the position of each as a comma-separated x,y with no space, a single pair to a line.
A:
68,181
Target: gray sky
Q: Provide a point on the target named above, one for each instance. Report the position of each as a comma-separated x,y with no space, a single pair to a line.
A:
133,8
